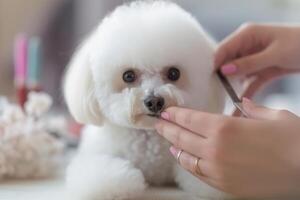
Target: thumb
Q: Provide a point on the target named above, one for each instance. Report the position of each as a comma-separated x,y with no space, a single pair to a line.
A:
248,64
258,112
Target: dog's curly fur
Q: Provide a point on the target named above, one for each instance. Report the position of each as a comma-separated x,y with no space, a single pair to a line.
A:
120,154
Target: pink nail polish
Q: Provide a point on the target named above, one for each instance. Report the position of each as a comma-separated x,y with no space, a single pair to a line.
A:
246,100
229,69
247,103
173,151
165,115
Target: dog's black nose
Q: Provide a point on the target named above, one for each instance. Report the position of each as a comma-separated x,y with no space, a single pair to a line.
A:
154,104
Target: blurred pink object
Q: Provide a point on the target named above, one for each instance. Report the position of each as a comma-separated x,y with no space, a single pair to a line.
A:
75,128
20,59
21,44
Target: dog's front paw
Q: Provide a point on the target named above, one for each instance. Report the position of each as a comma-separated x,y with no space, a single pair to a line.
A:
103,178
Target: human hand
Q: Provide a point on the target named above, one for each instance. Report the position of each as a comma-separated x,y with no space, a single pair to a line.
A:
256,158
260,53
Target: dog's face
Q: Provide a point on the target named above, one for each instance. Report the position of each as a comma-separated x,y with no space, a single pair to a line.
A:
135,95
142,59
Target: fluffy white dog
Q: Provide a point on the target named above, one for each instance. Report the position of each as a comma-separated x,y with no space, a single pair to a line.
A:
142,58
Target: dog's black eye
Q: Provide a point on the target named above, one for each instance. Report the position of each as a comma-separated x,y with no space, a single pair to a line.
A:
173,74
129,76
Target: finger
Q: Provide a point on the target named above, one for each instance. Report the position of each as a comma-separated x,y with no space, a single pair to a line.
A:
250,64
258,80
228,48
254,87
189,162
180,137
204,171
240,42
259,112
198,122
253,63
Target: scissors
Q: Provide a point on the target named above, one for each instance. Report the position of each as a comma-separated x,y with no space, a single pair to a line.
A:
237,102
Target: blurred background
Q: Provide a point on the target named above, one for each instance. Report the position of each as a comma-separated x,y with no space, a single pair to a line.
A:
62,24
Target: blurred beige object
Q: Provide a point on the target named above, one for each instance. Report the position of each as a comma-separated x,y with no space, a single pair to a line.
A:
27,149
15,16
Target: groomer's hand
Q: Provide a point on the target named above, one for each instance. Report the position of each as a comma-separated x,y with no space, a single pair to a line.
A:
260,52
255,157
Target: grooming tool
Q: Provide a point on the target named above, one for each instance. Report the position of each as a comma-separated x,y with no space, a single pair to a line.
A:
20,59
232,94
34,64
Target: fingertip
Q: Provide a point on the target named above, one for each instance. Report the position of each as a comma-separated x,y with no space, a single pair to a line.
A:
229,69
173,151
165,115
256,111
246,100
168,113
247,103
252,109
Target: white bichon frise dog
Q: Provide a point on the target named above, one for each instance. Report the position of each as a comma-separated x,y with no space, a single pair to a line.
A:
143,57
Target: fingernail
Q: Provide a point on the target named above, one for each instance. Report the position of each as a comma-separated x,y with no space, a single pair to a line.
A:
246,100
173,151
229,69
165,115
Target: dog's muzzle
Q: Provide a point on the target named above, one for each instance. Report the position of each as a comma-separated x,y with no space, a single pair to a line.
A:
154,104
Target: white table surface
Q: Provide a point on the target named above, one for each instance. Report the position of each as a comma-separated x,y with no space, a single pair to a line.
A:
53,190
32,190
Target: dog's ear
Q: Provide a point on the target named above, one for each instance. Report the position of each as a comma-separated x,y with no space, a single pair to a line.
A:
79,91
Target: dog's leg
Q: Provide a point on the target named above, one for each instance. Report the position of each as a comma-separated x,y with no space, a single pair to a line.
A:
103,177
